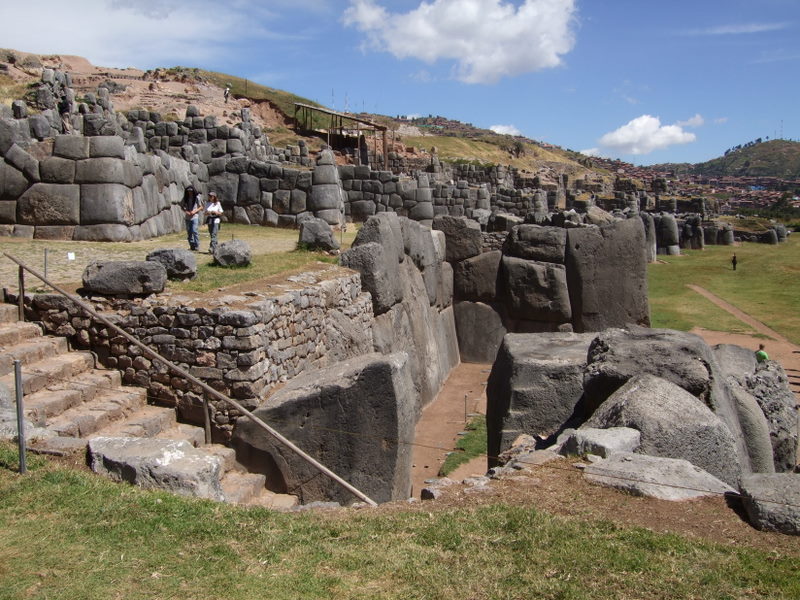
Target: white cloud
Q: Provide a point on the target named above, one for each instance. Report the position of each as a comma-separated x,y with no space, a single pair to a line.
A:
721,120
743,28
591,152
643,135
144,34
505,130
695,121
487,39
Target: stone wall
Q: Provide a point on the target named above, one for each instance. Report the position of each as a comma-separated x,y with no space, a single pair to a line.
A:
241,352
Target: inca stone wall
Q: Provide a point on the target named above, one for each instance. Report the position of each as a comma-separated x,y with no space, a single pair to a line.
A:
240,352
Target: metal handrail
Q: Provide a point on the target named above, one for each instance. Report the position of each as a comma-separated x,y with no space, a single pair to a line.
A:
185,374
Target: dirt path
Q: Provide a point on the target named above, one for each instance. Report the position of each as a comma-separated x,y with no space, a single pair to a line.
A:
778,347
442,420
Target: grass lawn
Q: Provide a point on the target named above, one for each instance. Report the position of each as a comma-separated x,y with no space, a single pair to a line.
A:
67,534
764,285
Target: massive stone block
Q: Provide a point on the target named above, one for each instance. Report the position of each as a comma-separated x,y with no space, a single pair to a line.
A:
475,278
673,424
12,182
49,204
106,203
607,276
464,237
534,242
106,146
124,278
772,502
535,291
103,233
75,147
325,197
54,169
319,410
535,387
379,274
480,331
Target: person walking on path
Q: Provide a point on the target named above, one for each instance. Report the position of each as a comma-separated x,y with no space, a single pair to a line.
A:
213,218
192,205
761,355
733,262
227,92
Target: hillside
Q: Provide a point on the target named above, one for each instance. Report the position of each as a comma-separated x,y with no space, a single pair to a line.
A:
774,158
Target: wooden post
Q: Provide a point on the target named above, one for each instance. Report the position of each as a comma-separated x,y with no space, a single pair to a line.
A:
21,297
385,153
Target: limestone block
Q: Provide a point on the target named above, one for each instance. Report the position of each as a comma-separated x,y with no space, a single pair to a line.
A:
673,424
662,478
369,393
325,174
49,204
535,387
607,276
54,169
385,230
480,331
12,182
536,291
233,253
8,212
325,197
9,134
172,465
772,502
316,233
331,216
179,263
249,190
111,146
54,232
297,201
124,278
600,442
463,237
105,203
422,211
379,274
534,242
24,162
475,278
39,126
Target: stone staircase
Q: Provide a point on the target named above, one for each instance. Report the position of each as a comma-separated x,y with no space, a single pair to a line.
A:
70,400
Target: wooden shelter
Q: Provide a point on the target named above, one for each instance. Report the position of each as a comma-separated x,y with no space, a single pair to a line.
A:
304,121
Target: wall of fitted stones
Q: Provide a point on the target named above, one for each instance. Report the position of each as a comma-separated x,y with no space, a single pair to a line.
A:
241,353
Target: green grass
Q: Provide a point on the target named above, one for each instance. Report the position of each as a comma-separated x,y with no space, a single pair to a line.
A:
66,534
469,446
764,286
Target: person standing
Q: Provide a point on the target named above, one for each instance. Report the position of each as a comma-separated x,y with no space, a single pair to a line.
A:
192,205
733,262
761,354
213,218
227,92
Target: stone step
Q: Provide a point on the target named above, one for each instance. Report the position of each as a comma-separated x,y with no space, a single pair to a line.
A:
53,370
100,412
17,332
30,352
8,313
267,499
240,488
183,431
63,395
226,455
145,422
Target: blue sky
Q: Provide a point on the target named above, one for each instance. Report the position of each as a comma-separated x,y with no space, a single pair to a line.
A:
643,81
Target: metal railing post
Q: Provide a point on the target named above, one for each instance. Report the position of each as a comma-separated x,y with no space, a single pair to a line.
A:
23,464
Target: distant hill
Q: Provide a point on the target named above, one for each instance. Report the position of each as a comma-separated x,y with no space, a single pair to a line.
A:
775,158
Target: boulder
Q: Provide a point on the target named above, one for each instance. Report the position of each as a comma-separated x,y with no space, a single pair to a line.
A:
464,237
600,442
150,463
124,278
656,477
535,387
319,409
606,270
480,331
772,502
673,424
179,263
534,242
317,234
234,253
535,291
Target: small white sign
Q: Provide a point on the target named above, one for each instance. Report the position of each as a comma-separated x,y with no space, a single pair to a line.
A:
70,256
